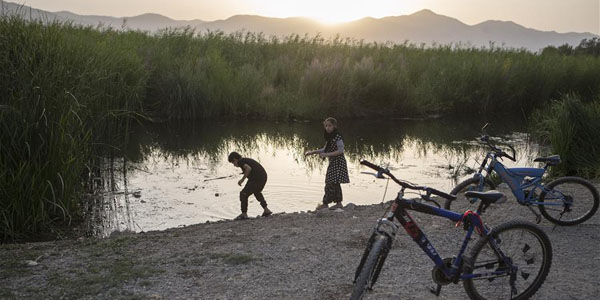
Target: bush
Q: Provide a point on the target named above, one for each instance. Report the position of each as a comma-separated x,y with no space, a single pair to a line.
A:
571,127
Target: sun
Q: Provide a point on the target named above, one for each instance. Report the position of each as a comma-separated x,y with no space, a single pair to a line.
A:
335,17
329,11
335,12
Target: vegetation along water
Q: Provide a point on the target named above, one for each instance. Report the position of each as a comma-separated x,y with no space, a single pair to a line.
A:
68,95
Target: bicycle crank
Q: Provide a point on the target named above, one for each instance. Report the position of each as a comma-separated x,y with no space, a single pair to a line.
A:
439,277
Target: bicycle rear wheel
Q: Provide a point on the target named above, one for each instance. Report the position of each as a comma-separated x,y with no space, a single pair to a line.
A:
526,246
373,262
576,199
462,203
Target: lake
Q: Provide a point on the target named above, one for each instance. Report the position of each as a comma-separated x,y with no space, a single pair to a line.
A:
177,174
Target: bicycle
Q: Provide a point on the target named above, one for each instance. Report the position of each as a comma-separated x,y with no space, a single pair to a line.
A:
507,255
564,201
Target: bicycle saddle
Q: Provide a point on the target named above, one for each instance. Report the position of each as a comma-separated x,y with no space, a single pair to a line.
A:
488,197
551,160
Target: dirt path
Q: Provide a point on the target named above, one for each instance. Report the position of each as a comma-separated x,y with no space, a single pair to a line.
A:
288,256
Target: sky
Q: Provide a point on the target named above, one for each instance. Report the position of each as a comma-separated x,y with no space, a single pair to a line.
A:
557,15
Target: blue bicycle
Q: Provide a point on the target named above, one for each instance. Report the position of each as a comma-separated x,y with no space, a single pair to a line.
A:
510,261
563,201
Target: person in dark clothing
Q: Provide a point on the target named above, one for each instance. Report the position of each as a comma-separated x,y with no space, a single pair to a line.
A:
337,170
257,178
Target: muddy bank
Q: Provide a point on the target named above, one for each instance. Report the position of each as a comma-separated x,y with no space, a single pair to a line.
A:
286,256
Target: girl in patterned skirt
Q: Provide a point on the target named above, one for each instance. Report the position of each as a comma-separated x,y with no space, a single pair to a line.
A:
337,171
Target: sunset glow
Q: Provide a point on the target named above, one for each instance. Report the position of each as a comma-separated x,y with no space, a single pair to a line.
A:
329,11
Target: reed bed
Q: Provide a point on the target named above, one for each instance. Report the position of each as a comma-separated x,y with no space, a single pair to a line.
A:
64,92
571,127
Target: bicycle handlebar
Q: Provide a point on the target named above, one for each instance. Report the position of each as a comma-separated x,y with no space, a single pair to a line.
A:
499,152
403,183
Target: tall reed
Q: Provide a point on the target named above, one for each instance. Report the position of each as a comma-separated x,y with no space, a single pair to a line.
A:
212,74
571,127
62,89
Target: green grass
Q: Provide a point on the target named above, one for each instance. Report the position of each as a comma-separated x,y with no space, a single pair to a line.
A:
69,93
571,127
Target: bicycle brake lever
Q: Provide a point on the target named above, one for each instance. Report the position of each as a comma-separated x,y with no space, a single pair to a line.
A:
377,175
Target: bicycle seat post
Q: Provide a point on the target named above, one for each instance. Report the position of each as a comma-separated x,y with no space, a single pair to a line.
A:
481,208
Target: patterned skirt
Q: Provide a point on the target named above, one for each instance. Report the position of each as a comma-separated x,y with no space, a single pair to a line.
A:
337,171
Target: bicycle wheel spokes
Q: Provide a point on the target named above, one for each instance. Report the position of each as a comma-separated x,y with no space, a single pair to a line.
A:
525,266
569,201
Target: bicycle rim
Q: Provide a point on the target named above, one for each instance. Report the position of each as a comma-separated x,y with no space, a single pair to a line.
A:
527,247
575,199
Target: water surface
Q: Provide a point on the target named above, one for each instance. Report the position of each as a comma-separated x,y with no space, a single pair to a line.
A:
177,174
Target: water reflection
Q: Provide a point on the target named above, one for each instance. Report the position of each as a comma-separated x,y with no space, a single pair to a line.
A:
181,175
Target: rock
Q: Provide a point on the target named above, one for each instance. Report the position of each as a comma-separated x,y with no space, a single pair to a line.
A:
321,212
137,194
31,263
350,206
216,194
123,232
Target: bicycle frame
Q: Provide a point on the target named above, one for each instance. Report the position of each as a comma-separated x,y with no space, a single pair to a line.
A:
516,180
453,272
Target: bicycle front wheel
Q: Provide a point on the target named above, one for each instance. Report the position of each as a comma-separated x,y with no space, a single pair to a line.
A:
525,247
374,261
462,203
569,201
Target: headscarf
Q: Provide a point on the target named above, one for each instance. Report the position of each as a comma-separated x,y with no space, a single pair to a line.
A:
329,138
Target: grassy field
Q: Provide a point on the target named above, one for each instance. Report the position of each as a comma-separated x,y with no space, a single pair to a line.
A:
68,94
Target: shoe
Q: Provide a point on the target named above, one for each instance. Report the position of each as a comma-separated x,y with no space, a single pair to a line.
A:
241,217
321,206
336,206
267,213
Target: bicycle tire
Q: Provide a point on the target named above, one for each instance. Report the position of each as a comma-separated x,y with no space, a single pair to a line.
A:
365,276
461,204
577,188
529,258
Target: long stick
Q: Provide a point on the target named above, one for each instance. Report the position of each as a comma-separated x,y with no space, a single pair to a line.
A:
222,177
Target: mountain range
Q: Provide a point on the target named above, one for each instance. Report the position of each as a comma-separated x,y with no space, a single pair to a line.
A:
423,27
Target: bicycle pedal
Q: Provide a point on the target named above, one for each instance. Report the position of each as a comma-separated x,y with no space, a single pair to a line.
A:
436,291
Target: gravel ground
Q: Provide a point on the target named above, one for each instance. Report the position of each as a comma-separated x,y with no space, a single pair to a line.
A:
285,256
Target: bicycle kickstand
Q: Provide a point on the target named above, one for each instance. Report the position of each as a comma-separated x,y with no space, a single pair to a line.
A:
436,291
538,217
560,217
